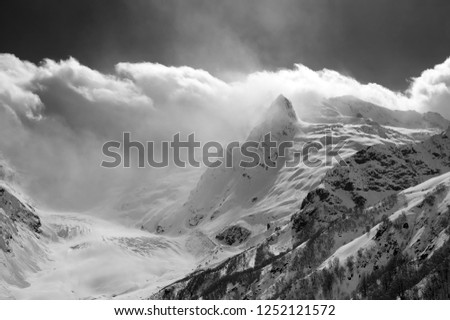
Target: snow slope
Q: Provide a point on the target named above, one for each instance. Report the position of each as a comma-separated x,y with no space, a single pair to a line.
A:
89,258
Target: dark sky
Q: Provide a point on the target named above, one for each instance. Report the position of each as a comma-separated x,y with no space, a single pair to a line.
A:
382,41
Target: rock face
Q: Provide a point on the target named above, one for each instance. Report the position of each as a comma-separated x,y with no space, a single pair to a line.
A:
22,244
13,213
280,120
233,235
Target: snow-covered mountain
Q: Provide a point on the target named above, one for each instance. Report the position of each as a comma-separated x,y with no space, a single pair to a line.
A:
349,230
349,109
347,203
343,229
21,250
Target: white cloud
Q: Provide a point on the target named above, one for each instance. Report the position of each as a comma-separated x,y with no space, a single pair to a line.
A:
54,117
15,94
431,90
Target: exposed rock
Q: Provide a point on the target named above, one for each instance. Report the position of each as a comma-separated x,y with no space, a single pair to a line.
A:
233,235
12,213
195,220
159,229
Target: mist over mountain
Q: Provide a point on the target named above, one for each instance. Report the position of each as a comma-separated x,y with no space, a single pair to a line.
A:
334,230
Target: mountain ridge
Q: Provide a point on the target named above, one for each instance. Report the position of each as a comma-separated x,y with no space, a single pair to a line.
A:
350,109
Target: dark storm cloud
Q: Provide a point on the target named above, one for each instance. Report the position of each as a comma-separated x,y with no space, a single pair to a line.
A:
380,41
98,33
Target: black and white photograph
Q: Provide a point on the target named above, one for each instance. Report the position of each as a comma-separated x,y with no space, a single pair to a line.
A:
204,150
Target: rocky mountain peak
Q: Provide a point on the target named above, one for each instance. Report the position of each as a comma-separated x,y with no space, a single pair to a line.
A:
280,108
280,120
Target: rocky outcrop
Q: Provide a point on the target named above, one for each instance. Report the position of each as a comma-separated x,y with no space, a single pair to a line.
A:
234,235
14,213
